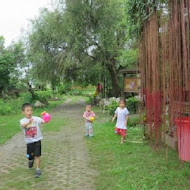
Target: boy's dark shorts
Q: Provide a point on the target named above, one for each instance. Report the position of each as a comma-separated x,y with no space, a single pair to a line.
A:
33,149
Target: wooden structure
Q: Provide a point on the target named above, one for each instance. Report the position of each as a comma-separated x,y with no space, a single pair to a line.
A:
131,81
165,68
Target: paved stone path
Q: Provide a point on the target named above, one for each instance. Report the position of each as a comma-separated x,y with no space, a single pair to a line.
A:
65,160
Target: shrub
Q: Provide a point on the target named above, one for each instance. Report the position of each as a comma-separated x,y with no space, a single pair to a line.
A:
112,107
69,89
133,121
64,88
75,92
133,104
43,96
5,109
88,90
92,100
26,97
13,106
10,106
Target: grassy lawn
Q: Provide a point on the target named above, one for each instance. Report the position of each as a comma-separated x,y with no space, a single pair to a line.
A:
9,124
75,99
22,178
134,165
57,161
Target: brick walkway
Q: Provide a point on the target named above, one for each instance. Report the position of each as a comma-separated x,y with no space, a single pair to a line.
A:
65,161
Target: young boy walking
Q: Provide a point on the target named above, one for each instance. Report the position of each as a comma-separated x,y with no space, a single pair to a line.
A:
33,136
89,118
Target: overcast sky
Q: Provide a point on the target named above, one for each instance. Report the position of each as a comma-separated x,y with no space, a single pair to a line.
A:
14,15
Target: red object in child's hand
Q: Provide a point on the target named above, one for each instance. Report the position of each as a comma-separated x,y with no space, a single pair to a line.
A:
46,117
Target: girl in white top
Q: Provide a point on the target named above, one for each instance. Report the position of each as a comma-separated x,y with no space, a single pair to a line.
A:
122,115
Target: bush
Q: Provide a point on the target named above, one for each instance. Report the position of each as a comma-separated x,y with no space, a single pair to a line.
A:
64,88
69,89
13,106
43,96
10,106
77,92
112,107
5,109
26,97
133,120
133,105
88,90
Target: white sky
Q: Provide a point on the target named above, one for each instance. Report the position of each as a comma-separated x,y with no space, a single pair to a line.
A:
15,15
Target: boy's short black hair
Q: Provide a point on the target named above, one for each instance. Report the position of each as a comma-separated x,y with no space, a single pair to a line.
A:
25,105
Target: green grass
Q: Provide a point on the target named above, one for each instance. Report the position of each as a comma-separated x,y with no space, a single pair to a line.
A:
9,124
21,178
55,125
74,99
134,165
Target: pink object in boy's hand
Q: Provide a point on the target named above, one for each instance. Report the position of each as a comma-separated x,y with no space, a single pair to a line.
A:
46,117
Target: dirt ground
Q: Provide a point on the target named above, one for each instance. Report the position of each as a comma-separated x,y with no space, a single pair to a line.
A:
65,160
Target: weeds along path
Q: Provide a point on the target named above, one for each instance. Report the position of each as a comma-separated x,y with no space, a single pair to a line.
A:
65,160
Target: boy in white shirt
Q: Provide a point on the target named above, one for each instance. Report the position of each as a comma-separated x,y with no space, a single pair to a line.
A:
33,136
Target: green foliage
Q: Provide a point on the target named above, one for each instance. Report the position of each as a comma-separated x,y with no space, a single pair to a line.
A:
7,63
133,104
80,41
5,109
112,107
129,58
139,11
133,121
12,106
76,89
121,166
14,68
75,92
43,96
10,116
88,90
26,97
12,59
64,88
46,44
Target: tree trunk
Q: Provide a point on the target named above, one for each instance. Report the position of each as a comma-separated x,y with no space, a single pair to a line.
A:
115,80
31,90
1,91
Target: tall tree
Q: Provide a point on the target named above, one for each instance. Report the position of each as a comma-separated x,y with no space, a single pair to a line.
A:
97,30
70,40
44,45
8,62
